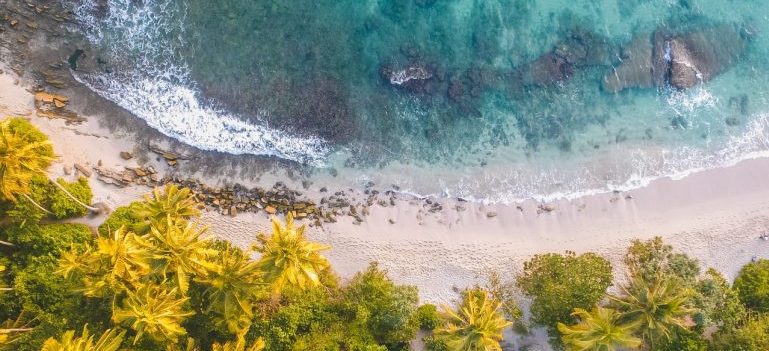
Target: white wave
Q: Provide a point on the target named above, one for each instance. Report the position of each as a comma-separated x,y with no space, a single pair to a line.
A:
154,84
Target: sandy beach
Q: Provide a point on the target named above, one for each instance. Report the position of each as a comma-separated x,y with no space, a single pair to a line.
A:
714,215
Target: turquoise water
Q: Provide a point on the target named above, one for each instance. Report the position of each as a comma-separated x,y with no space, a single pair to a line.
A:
487,115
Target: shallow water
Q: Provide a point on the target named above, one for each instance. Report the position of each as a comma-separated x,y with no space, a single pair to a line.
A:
317,82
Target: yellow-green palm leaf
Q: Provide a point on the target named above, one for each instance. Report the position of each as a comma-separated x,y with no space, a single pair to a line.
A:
476,324
22,156
11,331
128,255
233,286
154,311
656,308
598,330
180,250
239,345
110,340
173,202
288,259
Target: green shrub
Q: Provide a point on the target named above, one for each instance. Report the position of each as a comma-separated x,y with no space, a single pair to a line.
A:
37,241
427,317
751,335
434,344
752,285
62,205
558,284
122,217
653,257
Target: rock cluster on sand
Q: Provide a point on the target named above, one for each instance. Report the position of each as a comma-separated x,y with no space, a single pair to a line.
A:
681,60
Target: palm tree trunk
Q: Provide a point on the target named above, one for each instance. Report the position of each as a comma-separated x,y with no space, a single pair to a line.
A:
6,289
90,208
41,208
15,330
6,243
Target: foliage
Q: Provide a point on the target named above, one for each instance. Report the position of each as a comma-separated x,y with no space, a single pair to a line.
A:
24,153
62,205
427,317
154,311
110,340
391,308
476,324
657,308
173,202
288,259
599,329
122,217
234,286
752,334
752,285
558,284
505,292
717,304
684,340
180,251
652,257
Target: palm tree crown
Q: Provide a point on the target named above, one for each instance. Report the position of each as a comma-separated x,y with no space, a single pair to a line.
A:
110,340
180,250
288,259
476,325
656,308
598,330
22,156
154,311
233,286
172,202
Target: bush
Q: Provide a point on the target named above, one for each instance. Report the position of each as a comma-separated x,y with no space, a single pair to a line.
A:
62,205
427,317
122,217
46,241
752,285
558,284
653,257
751,335
434,344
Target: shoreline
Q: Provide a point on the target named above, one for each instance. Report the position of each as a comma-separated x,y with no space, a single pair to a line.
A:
714,215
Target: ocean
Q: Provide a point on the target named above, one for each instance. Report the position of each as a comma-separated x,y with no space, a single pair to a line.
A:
489,100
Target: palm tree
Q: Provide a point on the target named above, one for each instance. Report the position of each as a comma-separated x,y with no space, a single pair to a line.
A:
598,330
239,345
110,340
476,325
180,251
22,156
288,259
172,202
233,285
117,264
655,308
155,311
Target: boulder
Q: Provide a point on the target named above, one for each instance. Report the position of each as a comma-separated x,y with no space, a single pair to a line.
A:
701,55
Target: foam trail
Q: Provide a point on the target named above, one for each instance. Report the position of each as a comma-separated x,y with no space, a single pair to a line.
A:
155,86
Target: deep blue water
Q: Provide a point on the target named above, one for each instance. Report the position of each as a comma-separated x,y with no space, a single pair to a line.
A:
489,99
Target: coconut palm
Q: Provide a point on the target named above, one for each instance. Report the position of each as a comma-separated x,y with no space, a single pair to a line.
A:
174,202
154,311
118,263
239,345
598,330
179,250
233,285
288,259
110,340
655,307
476,324
22,156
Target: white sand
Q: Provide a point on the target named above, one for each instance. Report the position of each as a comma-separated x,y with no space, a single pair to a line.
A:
715,216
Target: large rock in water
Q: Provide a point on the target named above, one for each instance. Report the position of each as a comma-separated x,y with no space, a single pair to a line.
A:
682,61
699,56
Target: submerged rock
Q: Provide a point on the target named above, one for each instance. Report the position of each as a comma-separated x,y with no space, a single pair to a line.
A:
413,77
682,60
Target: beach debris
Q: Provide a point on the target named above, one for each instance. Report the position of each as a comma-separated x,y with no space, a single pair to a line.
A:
126,155
764,236
547,208
392,221
491,214
86,172
67,169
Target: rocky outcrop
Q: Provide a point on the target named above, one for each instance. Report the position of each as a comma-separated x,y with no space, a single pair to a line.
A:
580,49
678,60
415,77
